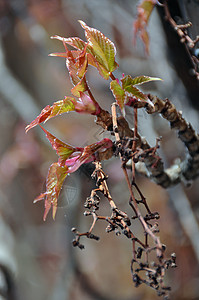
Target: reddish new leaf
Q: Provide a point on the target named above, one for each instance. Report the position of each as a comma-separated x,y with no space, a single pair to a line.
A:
76,62
89,153
72,41
84,105
45,113
74,157
63,150
77,66
87,105
77,43
70,159
73,68
54,181
59,107
144,11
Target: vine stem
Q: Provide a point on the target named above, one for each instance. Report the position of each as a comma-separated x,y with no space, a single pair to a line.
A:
105,190
140,217
135,205
184,37
95,218
135,140
135,128
112,76
178,28
114,118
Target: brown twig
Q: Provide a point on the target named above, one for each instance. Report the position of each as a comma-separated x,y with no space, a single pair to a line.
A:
135,205
135,141
184,38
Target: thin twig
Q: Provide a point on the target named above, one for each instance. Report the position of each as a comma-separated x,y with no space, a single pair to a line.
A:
184,38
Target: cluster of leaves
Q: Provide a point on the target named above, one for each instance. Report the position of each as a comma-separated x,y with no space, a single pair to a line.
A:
100,53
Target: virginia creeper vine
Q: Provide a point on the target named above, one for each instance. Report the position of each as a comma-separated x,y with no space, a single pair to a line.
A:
126,143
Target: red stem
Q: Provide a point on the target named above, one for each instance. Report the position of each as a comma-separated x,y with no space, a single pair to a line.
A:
112,76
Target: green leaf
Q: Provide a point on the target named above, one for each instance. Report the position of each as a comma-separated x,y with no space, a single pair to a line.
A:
135,92
118,93
102,71
63,150
99,49
128,85
62,106
128,80
102,49
54,181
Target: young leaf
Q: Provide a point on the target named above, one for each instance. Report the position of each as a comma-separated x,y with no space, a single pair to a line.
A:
74,157
56,109
76,62
54,181
73,67
144,11
88,154
63,150
99,49
133,91
118,93
145,39
102,49
70,159
84,105
77,43
128,80
102,70
76,70
72,41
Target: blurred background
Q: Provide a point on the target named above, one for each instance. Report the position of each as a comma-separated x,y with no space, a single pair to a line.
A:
37,260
